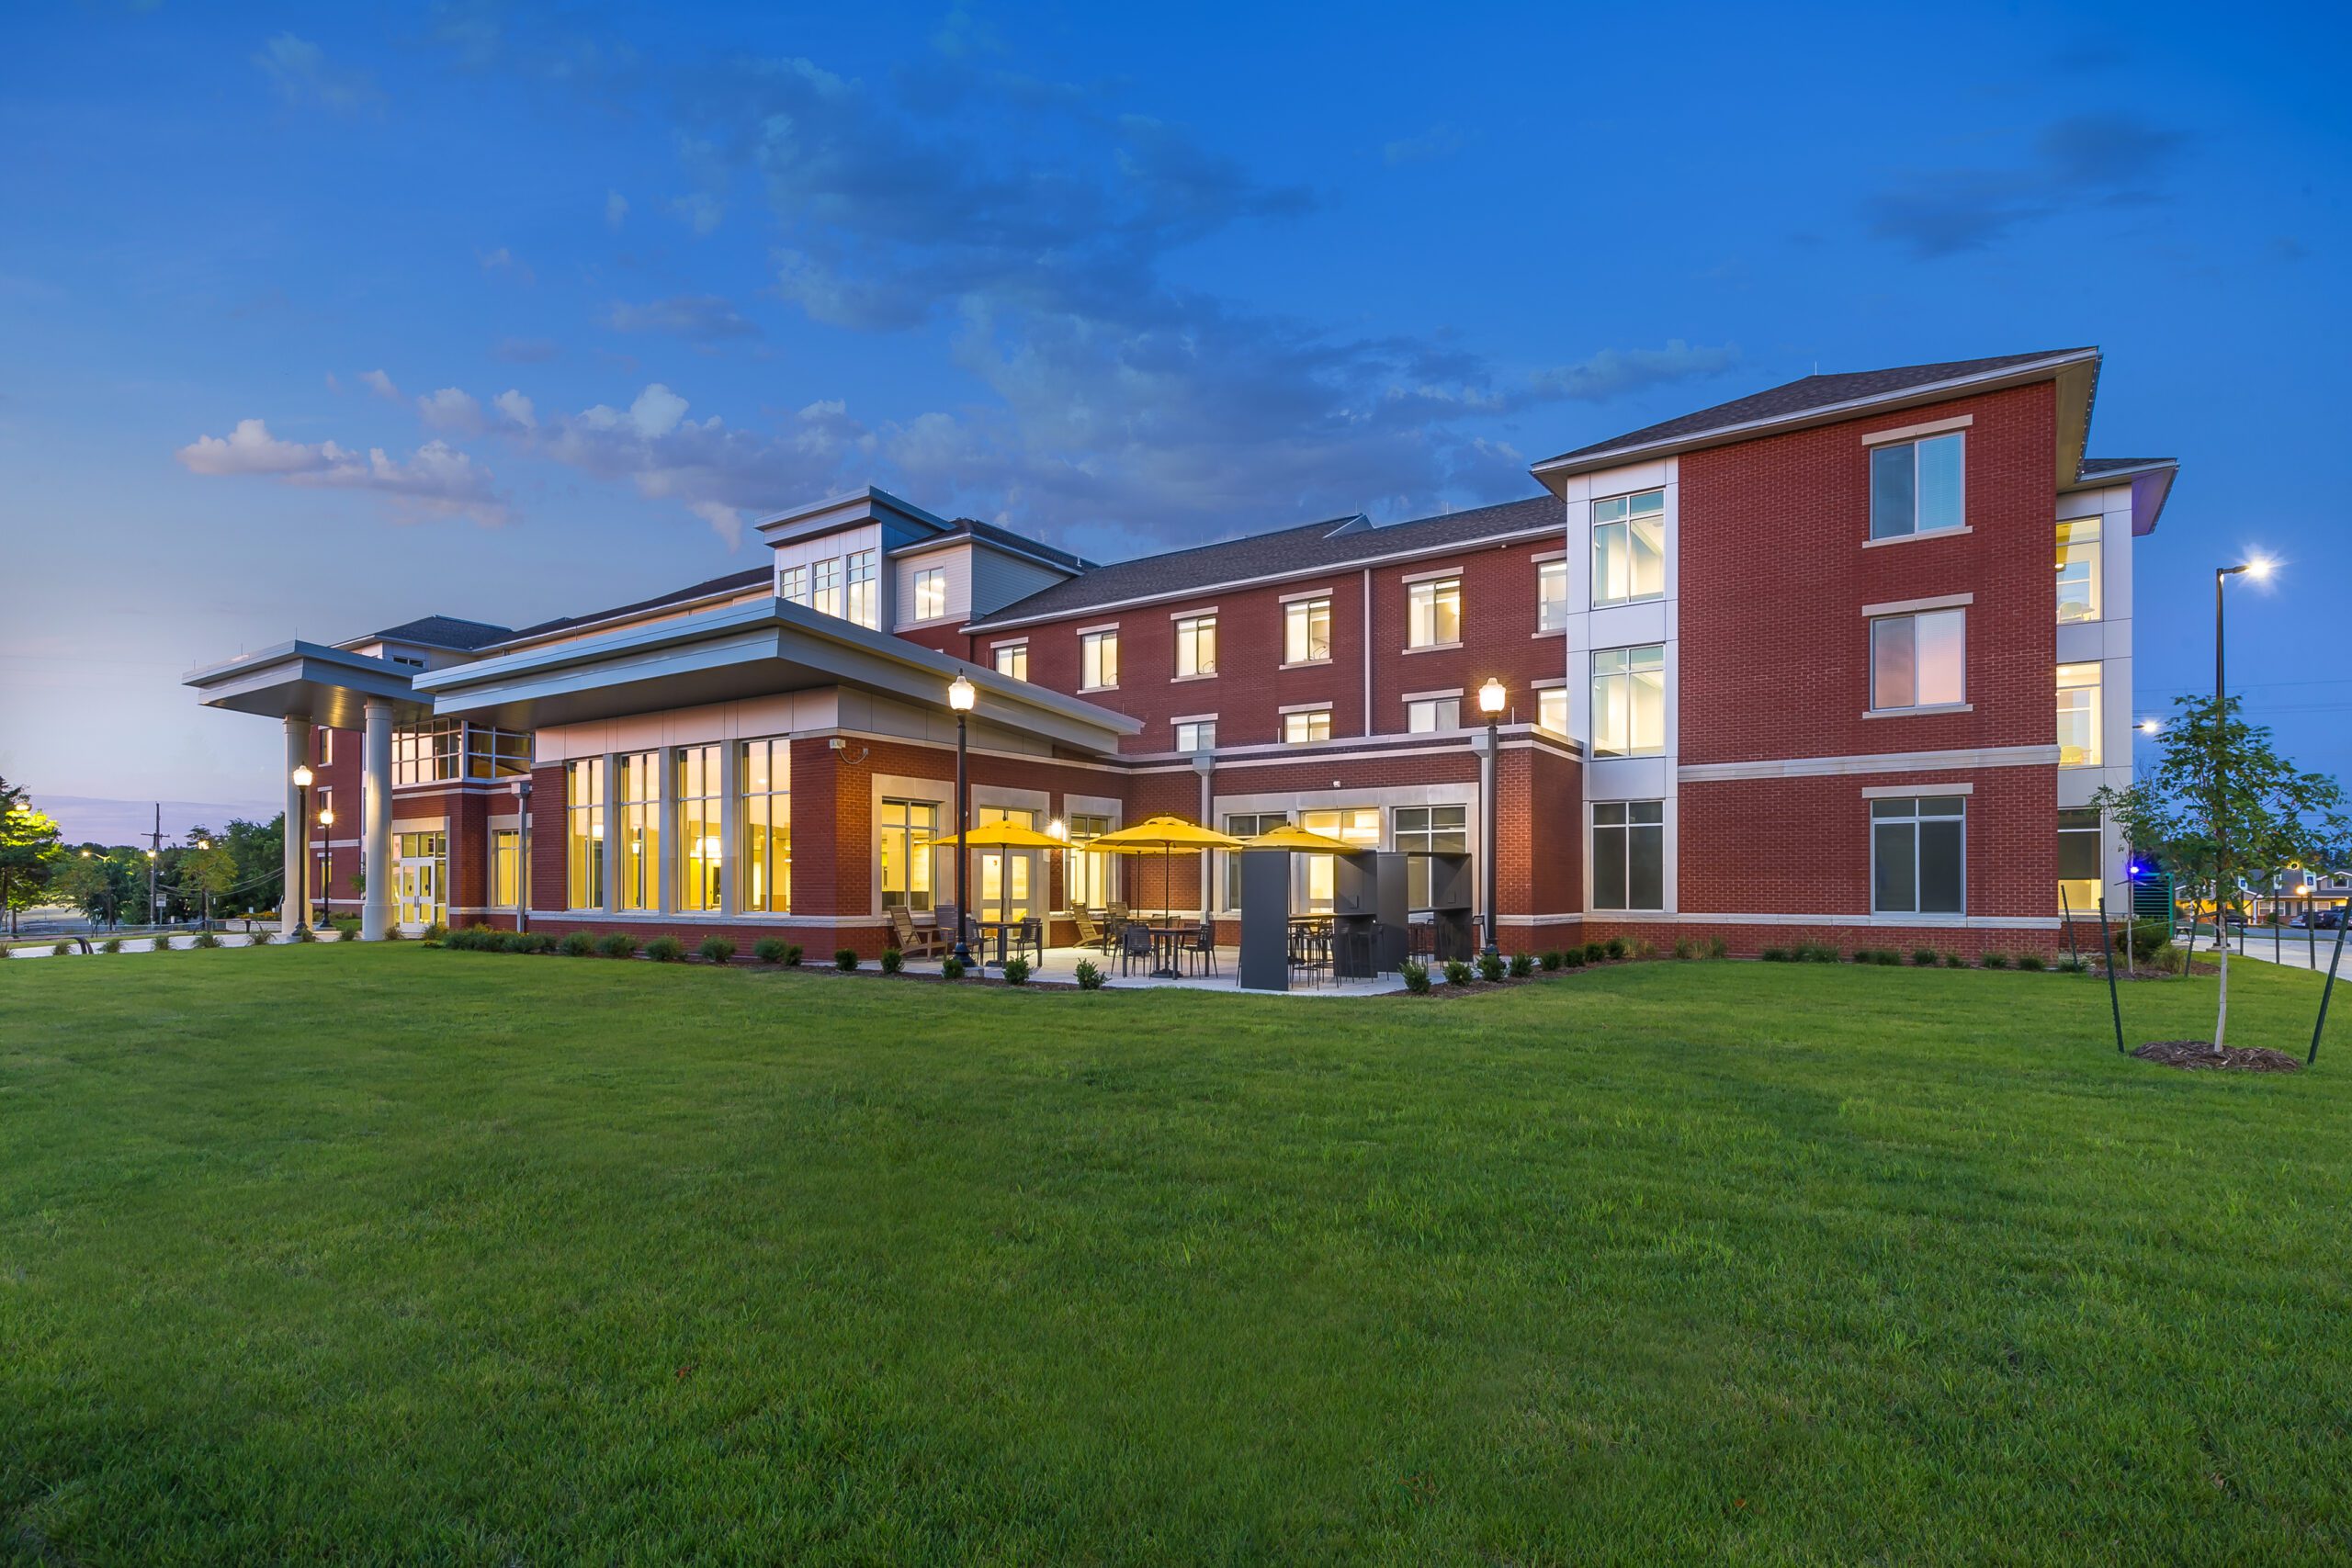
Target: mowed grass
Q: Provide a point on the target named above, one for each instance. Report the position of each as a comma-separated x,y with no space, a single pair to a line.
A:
398,1255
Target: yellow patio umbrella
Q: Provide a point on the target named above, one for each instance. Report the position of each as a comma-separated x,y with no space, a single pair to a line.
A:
998,836
1299,840
1166,835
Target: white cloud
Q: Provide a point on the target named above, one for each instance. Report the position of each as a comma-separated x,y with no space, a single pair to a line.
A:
451,409
656,411
437,480
304,77
700,317
516,407
616,209
504,260
381,384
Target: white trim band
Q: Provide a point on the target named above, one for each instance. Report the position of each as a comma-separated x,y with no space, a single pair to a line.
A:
1877,762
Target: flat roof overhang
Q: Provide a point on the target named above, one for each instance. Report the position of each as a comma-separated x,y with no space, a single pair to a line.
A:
746,651
308,680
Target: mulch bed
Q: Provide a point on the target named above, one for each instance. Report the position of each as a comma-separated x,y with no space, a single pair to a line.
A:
2197,1054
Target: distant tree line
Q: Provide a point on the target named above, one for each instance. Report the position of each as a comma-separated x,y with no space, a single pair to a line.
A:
242,871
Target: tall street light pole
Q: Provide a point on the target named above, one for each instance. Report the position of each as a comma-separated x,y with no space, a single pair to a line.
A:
326,859
960,697
1492,697
302,777
2257,569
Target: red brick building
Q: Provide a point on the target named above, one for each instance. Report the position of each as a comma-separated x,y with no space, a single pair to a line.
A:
1788,668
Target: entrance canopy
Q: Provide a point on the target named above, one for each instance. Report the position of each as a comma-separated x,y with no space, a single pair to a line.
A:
305,680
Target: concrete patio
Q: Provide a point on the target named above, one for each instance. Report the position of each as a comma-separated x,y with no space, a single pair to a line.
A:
1059,965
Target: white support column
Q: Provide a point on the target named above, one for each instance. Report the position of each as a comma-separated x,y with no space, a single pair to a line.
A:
1205,765
375,907
290,912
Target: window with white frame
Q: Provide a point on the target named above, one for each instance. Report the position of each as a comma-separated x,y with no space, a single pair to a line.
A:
1306,631
1244,825
1918,661
2080,883
496,753
1308,725
1433,613
1415,832
791,584
584,833
1358,826
505,868
1551,709
1629,854
1917,487
1629,549
698,790
865,595
931,594
2079,578
1550,595
1195,646
825,596
427,753
1097,660
326,746
1196,735
2078,716
1629,701
637,814
1918,853
904,834
1090,876
1013,660
1425,716
763,855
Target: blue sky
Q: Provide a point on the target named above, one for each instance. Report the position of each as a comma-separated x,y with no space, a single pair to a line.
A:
315,319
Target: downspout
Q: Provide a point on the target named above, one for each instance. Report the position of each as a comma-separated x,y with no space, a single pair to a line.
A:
1367,651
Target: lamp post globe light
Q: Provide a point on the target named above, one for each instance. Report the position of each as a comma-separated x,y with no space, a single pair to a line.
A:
961,696
1492,697
302,777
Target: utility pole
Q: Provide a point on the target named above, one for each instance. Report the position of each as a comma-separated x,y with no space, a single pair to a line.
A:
154,848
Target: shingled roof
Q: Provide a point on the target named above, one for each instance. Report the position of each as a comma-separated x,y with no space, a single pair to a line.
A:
989,533
1809,395
442,631
733,582
1311,546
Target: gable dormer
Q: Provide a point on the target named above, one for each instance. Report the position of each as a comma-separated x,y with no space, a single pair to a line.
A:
834,556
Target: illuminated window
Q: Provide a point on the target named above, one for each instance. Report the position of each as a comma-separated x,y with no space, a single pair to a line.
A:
1918,852
864,601
1629,701
904,834
1098,661
763,858
826,598
1425,716
2080,883
584,801
1433,613
1006,878
1196,645
1356,825
1916,487
1089,876
931,594
2078,571
1550,595
1918,661
505,868
1012,659
639,815
1306,631
1551,709
2079,715
496,753
699,787
1196,735
1419,830
427,753
1299,729
1629,549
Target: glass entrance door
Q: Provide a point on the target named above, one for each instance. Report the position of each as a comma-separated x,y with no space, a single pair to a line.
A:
1005,874
419,879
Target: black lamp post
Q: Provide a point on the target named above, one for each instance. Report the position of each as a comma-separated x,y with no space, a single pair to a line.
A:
1492,697
960,697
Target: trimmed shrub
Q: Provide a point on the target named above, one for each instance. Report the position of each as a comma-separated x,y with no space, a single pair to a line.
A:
114,944
1572,958
1718,948
2144,938
666,950
1551,960
768,950
1995,961
1775,955
845,959
792,955
1416,976
893,961
1088,975
1456,972
437,931
1522,966
717,950
1615,947
62,948
950,968
2032,960
1923,957
1683,949
1954,961
577,945
394,933
1490,967
1815,953
1594,952
2074,966
304,933
617,944
205,938
1016,971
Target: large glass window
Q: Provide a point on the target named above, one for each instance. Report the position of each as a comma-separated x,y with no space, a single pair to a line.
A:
931,594
1917,854
1629,854
2080,883
426,753
1244,825
1006,878
1425,716
1629,701
864,605
1918,661
1097,660
2079,577
1013,660
1551,709
1306,631
764,858
638,814
505,868
825,597
1196,645
1419,830
1433,613
1300,729
1196,735
1916,487
699,786
2078,716
1357,824
905,832
1090,876
1550,595
584,833
496,753
792,583
1629,549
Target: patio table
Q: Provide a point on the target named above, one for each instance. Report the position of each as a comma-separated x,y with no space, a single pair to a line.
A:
1167,947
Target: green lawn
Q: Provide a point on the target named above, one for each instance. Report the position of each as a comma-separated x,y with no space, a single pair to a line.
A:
391,1254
